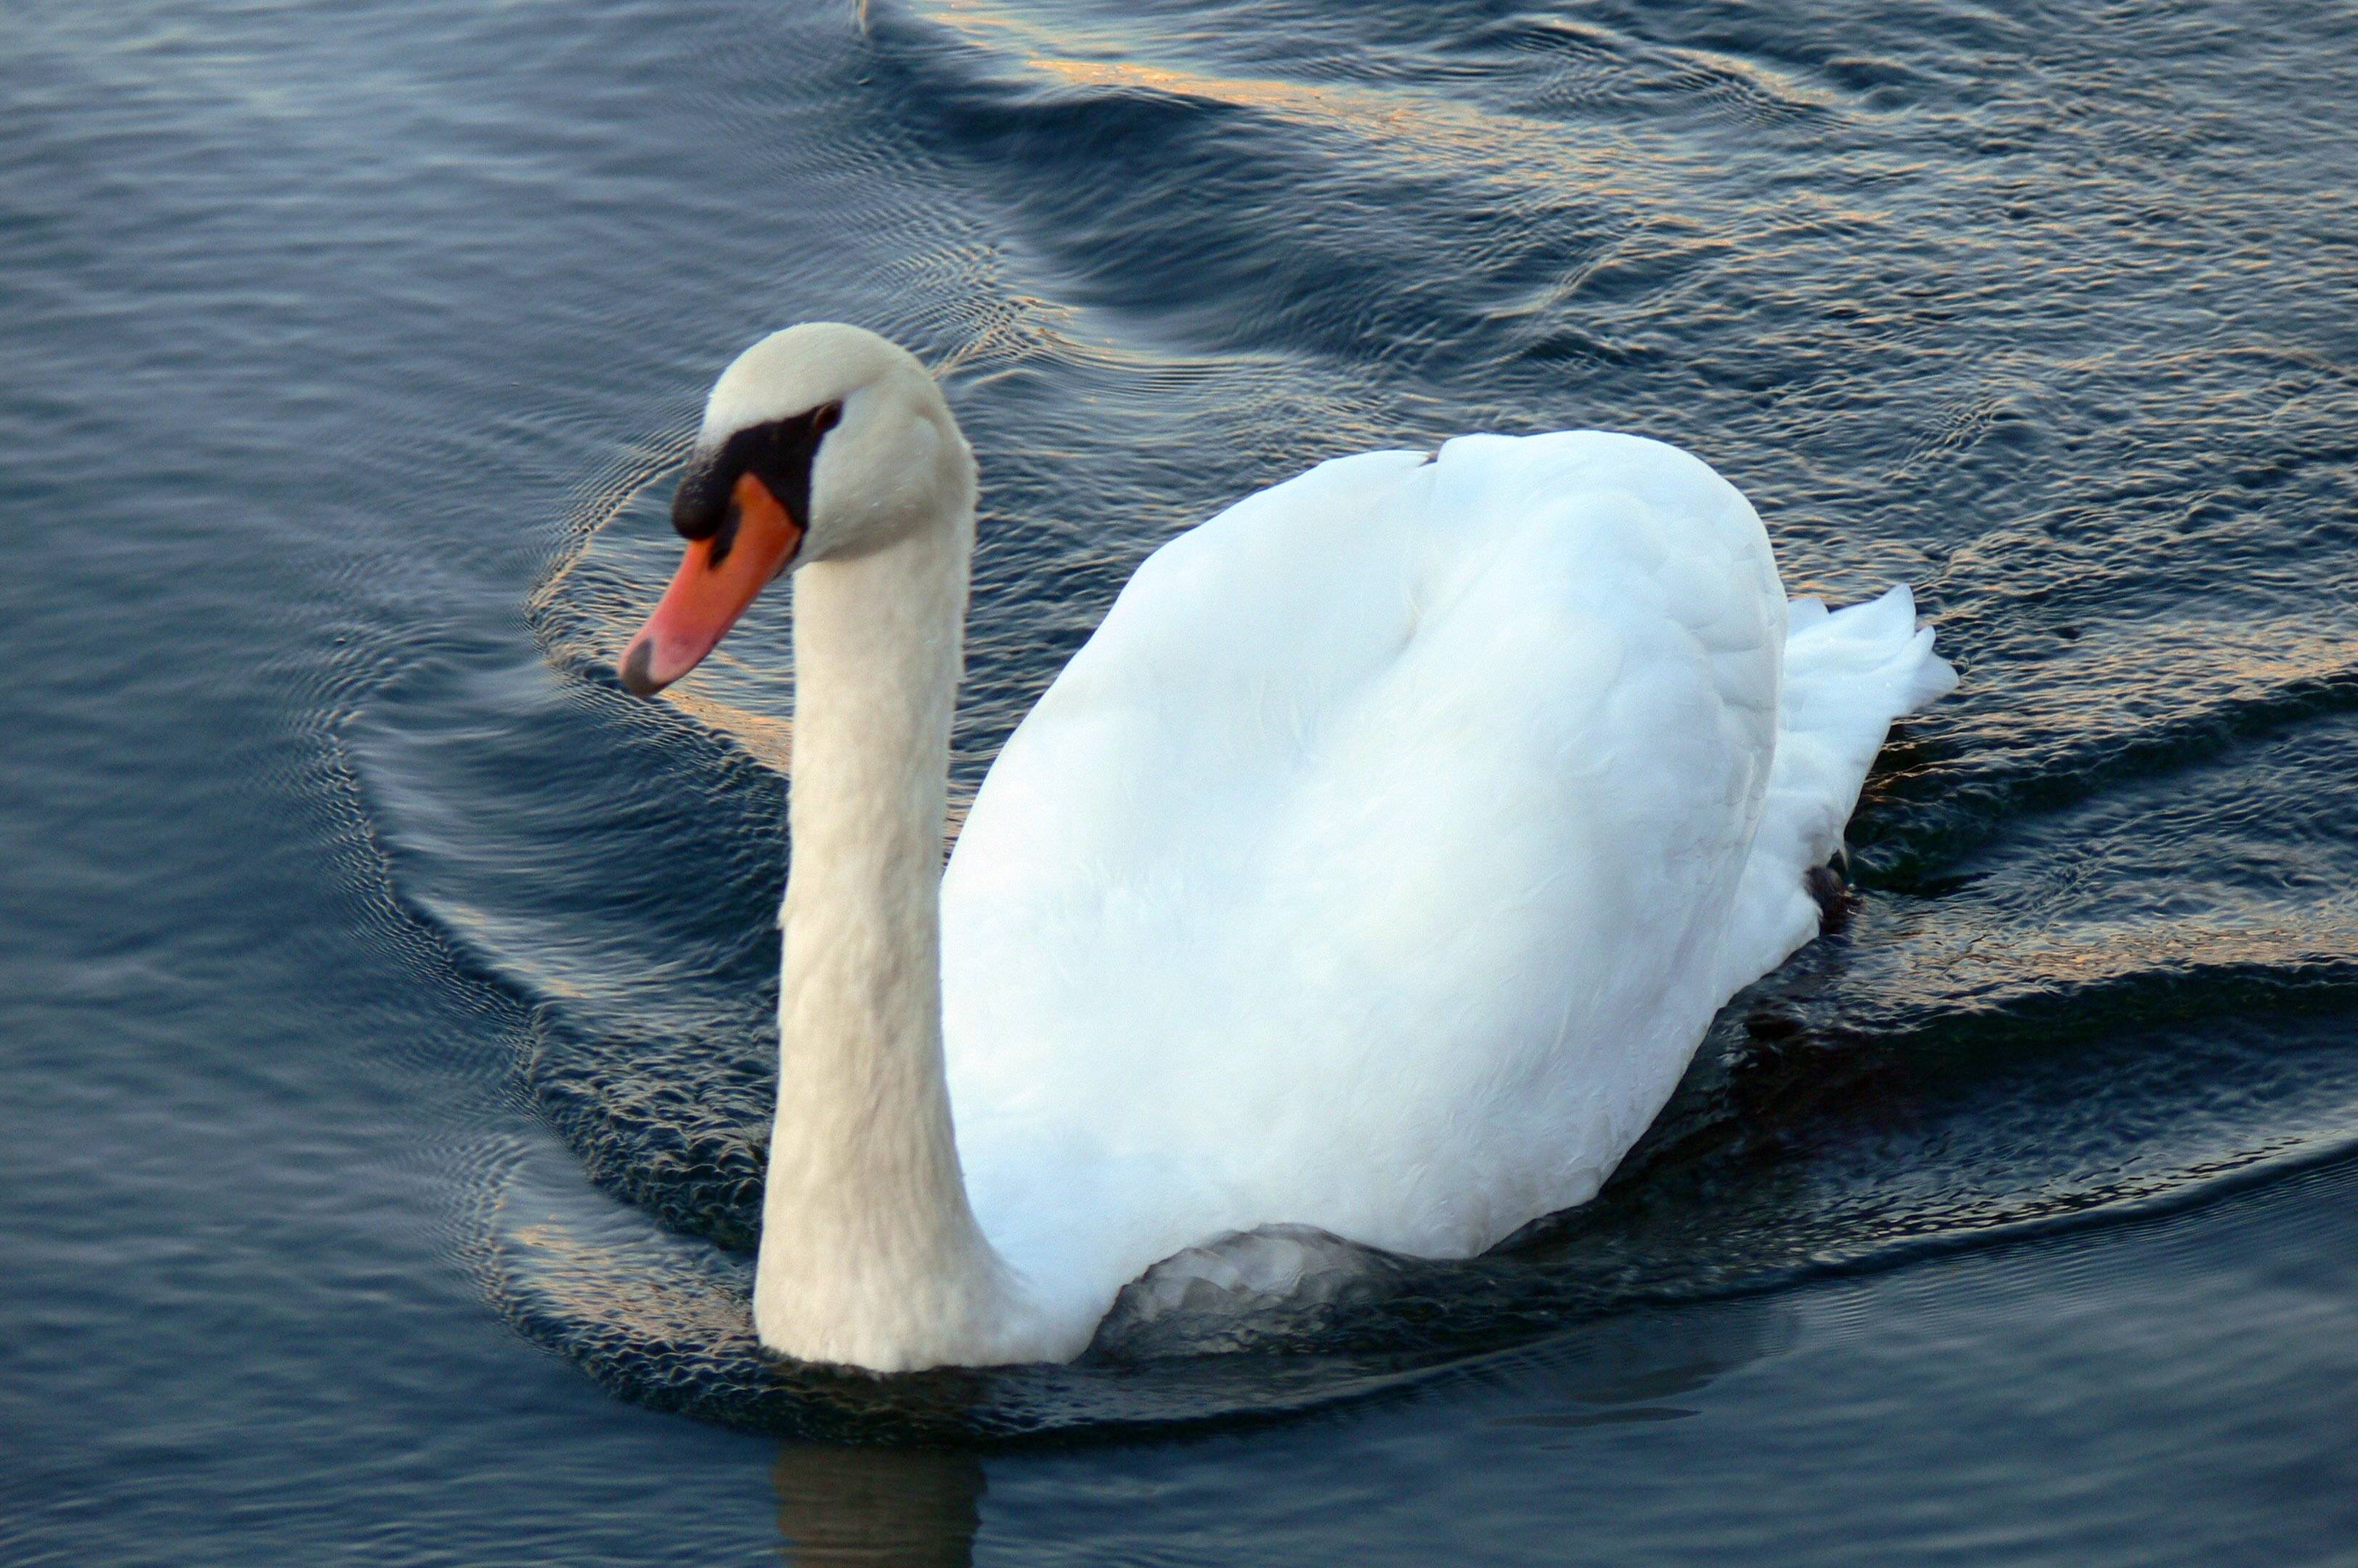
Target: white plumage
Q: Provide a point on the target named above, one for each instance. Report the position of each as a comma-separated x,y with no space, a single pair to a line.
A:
1376,867
1380,862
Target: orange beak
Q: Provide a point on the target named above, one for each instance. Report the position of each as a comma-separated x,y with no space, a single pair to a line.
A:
706,596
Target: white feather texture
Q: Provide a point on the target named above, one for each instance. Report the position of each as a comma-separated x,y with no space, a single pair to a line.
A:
1377,866
1380,862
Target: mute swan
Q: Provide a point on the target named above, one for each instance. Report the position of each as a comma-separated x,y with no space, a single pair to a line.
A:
1377,866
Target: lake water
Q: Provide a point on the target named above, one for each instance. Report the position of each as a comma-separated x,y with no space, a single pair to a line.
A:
385,1034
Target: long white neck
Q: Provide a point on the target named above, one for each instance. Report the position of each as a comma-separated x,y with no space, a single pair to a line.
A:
871,1254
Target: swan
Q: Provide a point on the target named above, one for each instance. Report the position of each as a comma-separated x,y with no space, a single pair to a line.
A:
1376,867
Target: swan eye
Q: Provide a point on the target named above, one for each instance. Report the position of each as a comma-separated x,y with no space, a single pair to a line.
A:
778,453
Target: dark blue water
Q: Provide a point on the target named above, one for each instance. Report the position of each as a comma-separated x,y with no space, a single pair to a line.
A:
386,1035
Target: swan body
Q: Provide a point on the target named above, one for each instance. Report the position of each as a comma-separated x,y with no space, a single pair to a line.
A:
1377,866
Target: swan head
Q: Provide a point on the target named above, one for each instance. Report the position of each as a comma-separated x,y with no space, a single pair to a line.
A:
820,442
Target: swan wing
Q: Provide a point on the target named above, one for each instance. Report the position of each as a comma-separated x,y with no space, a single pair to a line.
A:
1370,867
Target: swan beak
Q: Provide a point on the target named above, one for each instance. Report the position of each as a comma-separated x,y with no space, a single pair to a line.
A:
718,577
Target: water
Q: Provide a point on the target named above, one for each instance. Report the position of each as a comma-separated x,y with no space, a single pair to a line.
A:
384,1006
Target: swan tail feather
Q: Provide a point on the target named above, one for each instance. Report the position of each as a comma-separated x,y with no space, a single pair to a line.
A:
1848,674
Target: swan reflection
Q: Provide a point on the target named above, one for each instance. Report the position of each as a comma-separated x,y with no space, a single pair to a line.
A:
882,1508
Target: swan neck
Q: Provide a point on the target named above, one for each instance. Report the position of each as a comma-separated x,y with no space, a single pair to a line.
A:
870,1254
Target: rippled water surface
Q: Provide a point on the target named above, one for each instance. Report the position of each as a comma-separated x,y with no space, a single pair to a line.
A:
386,1010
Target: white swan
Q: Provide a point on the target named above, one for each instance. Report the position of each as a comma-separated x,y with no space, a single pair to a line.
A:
1377,866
